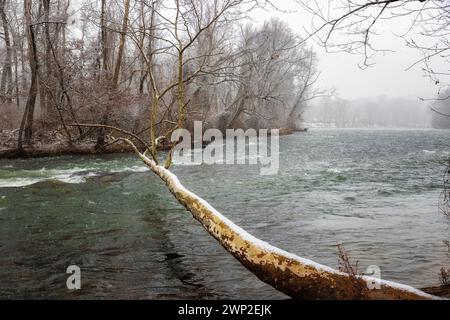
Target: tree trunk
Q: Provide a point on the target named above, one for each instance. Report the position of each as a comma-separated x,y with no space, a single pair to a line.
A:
105,69
6,83
123,35
104,38
49,85
115,80
297,277
26,128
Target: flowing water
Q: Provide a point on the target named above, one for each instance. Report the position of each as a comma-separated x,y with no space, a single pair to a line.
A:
374,191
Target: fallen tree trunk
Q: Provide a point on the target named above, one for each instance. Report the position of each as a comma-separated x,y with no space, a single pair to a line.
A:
295,276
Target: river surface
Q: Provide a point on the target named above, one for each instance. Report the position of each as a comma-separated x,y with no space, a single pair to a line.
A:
374,191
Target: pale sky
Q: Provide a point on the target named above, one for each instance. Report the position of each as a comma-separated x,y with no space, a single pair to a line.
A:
340,70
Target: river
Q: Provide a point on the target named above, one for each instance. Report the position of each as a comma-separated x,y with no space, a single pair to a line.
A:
375,191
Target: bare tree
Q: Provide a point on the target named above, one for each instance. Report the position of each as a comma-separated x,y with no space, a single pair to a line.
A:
117,65
276,78
26,127
351,26
120,50
6,82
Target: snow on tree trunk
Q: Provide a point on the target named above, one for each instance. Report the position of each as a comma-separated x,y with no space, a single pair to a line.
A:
295,276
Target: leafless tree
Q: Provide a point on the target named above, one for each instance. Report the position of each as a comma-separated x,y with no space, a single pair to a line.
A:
6,81
352,26
26,127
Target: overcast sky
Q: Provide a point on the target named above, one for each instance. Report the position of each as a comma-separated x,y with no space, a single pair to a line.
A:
340,70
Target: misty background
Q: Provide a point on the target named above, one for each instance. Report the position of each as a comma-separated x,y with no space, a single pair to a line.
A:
372,112
394,92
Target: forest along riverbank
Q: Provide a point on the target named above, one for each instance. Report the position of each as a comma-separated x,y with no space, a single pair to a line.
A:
54,144
374,191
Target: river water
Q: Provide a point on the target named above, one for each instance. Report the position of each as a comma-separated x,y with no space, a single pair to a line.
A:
374,191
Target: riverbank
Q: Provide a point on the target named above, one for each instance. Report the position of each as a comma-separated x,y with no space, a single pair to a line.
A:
54,150
54,145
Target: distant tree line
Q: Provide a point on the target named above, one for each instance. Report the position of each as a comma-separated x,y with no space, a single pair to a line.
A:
379,112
